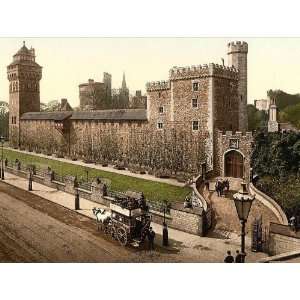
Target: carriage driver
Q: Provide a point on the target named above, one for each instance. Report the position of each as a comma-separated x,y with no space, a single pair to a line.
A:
151,237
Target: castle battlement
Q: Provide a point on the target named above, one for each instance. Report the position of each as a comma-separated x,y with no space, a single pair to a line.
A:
158,85
204,70
237,134
236,47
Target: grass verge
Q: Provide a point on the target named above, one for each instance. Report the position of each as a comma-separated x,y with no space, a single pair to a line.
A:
152,190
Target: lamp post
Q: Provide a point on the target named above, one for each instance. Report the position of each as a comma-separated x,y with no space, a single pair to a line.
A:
165,227
243,201
77,206
2,165
30,180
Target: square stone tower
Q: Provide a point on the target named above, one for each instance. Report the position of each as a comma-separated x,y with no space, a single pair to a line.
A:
24,76
237,57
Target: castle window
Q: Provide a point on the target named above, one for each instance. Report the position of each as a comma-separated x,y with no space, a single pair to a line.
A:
195,86
161,109
195,103
160,125
195,125
159,94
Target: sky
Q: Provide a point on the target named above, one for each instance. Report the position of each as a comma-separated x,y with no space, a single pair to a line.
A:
273,63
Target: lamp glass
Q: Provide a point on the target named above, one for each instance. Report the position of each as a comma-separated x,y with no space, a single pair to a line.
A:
243,207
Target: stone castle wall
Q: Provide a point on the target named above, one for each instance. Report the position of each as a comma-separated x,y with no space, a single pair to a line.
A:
237,57
282,239
175,147
229,141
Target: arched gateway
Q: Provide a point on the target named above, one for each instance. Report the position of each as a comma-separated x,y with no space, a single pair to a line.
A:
234,164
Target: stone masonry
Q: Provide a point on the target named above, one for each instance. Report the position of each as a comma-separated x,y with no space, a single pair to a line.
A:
237,57
177,131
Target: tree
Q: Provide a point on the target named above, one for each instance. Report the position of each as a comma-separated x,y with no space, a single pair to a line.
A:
291,114
256,118
4,119
53,105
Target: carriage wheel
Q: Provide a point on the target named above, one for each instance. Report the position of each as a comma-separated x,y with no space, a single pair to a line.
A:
122,236
113,232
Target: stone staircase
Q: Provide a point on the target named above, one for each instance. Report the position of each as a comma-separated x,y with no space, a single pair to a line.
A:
225,218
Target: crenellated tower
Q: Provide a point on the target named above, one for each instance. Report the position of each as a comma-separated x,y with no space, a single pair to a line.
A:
24,76
237,57
107,86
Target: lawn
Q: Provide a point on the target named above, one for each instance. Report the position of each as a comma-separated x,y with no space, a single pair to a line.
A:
152,190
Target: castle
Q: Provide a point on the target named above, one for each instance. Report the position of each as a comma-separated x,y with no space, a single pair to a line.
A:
99,95
180,132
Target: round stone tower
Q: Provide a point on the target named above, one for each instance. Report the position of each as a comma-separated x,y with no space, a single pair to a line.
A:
24,76
237,57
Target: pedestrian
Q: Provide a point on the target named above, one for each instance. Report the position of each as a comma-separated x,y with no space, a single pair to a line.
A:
229,258
293,223
217,187
221,188
238,257
227,185
151,237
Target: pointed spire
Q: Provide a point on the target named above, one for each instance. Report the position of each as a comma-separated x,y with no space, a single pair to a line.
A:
124,82
24,44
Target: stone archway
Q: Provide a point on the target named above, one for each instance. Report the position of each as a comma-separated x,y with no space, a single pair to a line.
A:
234,164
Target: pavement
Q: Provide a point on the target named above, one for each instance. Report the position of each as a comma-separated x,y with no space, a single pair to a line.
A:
191,248
109,168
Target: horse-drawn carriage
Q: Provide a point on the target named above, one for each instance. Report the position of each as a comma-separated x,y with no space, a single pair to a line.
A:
127,221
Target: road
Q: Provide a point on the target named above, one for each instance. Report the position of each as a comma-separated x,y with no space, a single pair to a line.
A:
33,229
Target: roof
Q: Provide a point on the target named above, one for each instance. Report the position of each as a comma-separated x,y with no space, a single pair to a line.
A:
54,116
23,50
116,115
288,127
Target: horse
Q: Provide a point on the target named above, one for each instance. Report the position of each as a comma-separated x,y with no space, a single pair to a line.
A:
102,216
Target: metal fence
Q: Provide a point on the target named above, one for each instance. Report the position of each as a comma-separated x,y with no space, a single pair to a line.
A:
85,185
59,178
159,206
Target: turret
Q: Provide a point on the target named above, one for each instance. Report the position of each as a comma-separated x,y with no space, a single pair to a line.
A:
24,76
237,57
272,123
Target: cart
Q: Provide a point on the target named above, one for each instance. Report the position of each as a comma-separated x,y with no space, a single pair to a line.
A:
130,221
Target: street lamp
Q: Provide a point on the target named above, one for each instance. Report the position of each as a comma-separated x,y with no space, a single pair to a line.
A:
165,227
77,205
243,201
30,180
2,166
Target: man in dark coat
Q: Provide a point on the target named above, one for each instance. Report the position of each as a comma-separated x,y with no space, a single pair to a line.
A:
217,187
239,257
229,258
151,237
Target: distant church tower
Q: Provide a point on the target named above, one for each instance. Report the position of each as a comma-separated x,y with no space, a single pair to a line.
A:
237,57
124,94
24,76
272,124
